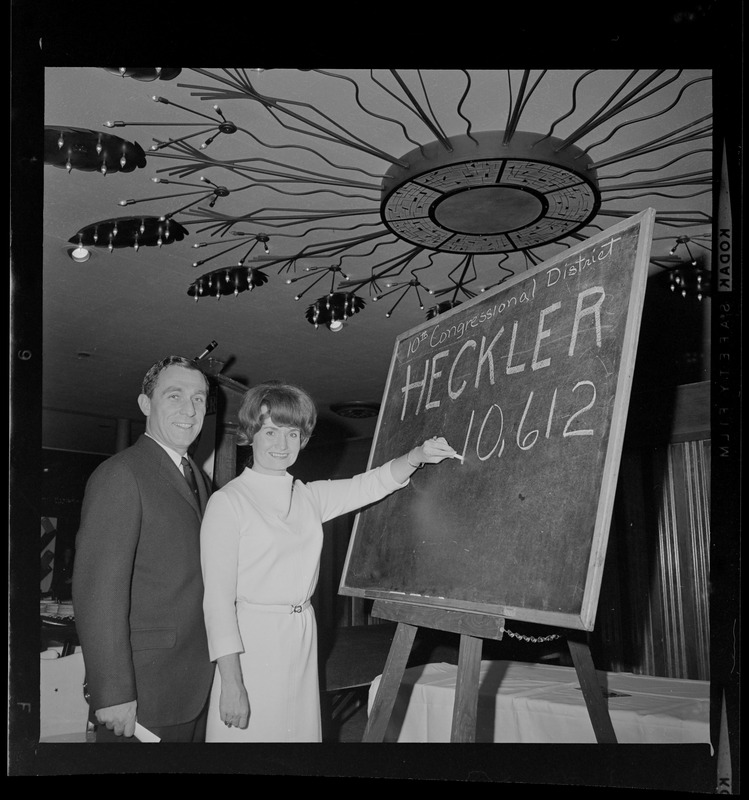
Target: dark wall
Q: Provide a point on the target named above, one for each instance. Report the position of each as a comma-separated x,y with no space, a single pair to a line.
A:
64,476
674,344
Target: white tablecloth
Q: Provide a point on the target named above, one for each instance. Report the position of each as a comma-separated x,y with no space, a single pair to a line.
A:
538,703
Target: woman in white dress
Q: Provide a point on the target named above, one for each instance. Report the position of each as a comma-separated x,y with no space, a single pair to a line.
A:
261,540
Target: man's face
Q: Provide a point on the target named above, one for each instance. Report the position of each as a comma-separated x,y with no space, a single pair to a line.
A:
176,409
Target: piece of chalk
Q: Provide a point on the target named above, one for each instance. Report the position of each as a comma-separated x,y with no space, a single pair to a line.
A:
144,735
459,457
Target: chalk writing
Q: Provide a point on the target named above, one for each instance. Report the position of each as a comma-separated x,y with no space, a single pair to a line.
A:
528,382
490,439
582,262
479,360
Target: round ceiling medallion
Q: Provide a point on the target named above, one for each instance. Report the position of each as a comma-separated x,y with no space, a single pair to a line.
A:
488,210
485,196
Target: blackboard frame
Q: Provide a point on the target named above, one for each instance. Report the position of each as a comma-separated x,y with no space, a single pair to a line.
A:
582,616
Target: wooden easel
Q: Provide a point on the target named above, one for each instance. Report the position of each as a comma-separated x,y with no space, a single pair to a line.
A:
473,628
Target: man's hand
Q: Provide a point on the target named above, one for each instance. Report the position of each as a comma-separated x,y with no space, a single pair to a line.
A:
119,718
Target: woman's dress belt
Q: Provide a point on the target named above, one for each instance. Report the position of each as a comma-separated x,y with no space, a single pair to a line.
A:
283,608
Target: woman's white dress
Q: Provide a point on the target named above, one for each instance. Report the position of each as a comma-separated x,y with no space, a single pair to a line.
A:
260,548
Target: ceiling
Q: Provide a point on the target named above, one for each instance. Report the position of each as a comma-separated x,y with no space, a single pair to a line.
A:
306,170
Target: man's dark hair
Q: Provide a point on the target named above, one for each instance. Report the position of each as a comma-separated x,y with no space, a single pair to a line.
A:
149,381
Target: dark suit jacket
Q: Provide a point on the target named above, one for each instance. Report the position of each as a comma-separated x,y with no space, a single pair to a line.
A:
138,587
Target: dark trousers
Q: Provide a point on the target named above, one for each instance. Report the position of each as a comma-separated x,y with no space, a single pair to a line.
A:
193,731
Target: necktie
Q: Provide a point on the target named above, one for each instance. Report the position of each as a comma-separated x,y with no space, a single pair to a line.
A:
190,477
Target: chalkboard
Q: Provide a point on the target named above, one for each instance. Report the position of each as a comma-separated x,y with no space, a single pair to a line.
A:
530,382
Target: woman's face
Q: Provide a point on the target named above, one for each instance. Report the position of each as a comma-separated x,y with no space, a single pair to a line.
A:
275,448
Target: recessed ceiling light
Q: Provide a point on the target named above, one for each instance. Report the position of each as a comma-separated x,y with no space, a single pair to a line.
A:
79,254
356,409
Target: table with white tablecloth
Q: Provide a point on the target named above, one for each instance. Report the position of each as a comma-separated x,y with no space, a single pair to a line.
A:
541,703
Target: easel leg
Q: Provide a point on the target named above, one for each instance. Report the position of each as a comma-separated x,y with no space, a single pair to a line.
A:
466,690
592,693
390,682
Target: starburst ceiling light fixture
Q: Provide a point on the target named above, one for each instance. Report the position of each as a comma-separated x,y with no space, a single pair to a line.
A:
321,273
214,193
334,310
467,275
218,126
229,280
690,281
687,277
132,232
684,241
255,240
422,180
146,73
404,287
90,151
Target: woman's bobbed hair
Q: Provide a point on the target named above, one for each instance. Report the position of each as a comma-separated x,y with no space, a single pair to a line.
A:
288,406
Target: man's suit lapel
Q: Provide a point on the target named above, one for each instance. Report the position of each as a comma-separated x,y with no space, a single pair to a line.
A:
172,474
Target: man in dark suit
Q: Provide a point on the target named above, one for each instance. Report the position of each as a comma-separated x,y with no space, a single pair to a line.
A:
137,584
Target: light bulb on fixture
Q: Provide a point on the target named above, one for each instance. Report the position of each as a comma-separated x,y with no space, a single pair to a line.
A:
333,310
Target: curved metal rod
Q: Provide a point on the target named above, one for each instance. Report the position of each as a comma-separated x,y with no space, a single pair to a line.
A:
397,99
281,106
602,115
429,106
367,110
674,219
296,218
414,250
201,157
571,111
520,107
659,194
645,118
505,269
460,105
659,143
428,121
160,143
654,169
697,178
